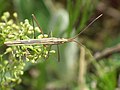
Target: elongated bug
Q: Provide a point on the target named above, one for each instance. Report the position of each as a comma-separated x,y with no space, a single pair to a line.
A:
50,40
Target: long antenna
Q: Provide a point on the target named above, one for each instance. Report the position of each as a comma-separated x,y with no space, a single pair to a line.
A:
37,23
86,27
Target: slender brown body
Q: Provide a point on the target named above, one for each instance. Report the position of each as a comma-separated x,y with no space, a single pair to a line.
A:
47,41
44,41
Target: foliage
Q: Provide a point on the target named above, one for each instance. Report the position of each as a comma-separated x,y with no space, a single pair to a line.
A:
14,59
65,17
76,13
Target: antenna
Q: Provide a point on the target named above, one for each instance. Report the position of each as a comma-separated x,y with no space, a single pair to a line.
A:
86,27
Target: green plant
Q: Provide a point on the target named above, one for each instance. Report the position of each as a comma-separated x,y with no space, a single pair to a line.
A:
14,58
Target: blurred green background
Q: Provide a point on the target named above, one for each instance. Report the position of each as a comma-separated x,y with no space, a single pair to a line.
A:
66,18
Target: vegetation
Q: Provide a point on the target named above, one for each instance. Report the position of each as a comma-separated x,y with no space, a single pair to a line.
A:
92,66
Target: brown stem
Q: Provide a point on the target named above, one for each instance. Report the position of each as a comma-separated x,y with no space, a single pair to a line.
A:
107,52
82,69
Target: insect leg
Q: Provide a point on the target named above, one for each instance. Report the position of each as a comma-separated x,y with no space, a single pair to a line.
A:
33,28
34,18
49,35
58,53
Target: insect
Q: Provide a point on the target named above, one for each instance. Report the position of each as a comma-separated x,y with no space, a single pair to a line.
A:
51,40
